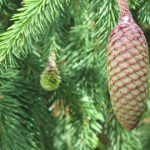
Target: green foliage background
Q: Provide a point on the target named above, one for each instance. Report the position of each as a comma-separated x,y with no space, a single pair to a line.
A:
78,114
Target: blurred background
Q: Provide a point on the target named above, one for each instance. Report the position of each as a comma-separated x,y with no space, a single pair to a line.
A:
77,115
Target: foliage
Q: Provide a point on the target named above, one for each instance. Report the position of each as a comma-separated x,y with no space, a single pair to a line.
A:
78,114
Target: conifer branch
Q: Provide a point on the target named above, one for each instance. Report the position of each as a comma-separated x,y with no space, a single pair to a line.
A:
55,37
105,17
143,12
29,24
7,8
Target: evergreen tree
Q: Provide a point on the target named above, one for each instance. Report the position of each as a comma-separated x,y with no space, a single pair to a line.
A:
78,114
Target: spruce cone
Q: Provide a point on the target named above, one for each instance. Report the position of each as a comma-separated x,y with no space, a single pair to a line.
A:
50,78
128,70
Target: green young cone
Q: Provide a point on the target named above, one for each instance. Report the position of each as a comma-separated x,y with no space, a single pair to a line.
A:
50,78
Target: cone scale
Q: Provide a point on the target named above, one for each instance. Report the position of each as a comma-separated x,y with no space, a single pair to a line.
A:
128,70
